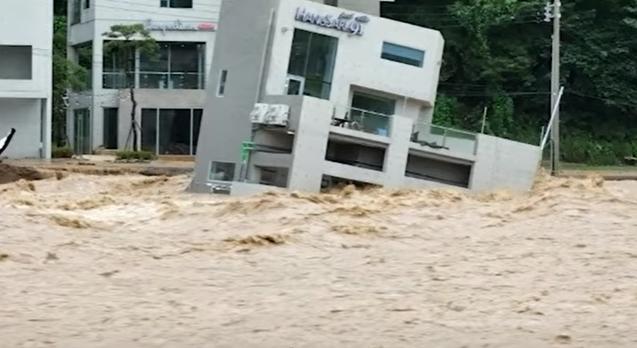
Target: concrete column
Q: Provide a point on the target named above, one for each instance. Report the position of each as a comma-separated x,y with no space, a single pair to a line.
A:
47,122
484,167
397,151
97,111
310,145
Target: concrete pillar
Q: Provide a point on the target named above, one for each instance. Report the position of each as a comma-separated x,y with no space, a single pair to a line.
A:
310,145
397,151
47,121
97,112
484,167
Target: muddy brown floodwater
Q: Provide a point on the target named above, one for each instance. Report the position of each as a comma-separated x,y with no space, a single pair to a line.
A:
129,261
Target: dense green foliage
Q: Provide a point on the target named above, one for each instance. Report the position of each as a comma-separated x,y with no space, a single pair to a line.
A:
498,55
62,152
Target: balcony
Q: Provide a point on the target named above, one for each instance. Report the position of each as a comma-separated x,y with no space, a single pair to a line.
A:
442,138
362,120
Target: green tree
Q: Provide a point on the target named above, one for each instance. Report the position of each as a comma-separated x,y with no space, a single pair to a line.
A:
66,75
123,43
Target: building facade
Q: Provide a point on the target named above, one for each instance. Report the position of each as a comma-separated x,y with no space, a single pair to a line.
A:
310,95
169,88
25,76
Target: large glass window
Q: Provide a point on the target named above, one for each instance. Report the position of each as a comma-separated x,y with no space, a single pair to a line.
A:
177,66
174,131
85,60
154,72
311,64
114,70
171,131
402,54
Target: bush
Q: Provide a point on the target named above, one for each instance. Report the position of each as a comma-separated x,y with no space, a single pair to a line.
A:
62,152
134,156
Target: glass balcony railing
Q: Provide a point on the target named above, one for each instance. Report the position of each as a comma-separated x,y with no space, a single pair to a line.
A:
114,80
173,80
437,137
362,120
117,80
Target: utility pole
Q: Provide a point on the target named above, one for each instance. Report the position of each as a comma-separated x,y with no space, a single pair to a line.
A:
552,11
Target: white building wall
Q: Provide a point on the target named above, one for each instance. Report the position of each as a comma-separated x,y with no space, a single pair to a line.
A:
26,104
23,114
358,58
98,20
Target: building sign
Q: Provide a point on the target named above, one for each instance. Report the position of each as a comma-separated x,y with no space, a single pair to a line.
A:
347,22
176,25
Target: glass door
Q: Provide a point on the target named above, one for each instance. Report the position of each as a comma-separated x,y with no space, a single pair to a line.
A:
294,85
82,131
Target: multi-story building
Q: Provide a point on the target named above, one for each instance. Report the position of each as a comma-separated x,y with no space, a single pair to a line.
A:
308,95
25,76
169,87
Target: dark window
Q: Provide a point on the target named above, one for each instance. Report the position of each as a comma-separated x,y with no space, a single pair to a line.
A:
174,131
87,4
331,2
16,62
171,131
196,127
221,88
110,127
402,54
176,3
76,16
312,58
222,171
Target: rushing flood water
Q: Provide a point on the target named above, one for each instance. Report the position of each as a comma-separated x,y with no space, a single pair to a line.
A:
90,261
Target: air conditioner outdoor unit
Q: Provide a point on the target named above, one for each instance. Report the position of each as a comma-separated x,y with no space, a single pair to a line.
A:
259,112
278,115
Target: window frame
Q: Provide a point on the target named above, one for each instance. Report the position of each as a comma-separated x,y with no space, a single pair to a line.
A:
222,82
168,4
384,54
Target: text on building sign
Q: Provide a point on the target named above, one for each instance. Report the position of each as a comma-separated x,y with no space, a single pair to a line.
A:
347,22
176,25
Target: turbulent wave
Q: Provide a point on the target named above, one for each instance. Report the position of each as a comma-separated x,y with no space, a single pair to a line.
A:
291,269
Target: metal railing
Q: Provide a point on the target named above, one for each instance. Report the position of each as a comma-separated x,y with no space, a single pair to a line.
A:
438,137
153,80
172,80
114,80
362,120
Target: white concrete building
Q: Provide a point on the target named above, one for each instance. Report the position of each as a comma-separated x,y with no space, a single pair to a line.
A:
169,88
26,44
310,95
